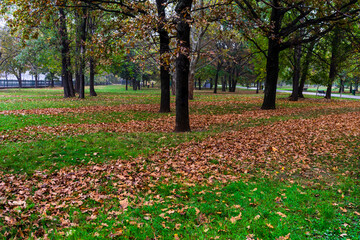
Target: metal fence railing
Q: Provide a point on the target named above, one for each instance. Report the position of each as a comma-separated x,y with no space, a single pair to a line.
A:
9,83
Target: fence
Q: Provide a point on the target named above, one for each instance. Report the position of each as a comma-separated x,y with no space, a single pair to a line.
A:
9,83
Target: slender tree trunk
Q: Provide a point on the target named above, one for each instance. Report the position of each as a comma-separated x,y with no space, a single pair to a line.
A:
134,84
36,81
126,84
19,78
64,53
83,52
92,77
341,88
296,75
217,76
52,79
92,62
199,80
357,85
77,52
164,57
234,80
305,70
351,87
191,80
173,84
333,63
223,84
183,9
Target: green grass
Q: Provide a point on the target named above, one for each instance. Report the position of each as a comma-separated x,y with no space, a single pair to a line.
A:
170,211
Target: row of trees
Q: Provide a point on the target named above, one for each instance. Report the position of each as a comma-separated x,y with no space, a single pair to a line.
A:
242,40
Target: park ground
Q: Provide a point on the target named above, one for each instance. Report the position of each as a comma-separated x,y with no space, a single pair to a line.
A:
112,167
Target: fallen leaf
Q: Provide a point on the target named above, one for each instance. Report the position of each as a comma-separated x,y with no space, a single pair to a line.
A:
284,237
269,225
234,219
344,210
281,214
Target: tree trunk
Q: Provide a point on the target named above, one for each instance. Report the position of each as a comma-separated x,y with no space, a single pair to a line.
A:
182,64
296,75
92,77
199,83
341,88
234,80
305,70
126,84
191,80
82,53
223,84
272,73
77,52
217,76
351,87
173,84
19,78
357,85
272,61
65,51
134,84
36,80
164,57
229,81
333,63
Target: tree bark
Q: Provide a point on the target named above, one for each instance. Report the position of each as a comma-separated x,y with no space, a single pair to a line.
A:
333,63
92,77
92,62
217,76
272,62
82,53
19,78
305,69
134,83
296,75
36,80
199,79
65,56
223,84
164,58
272,73
77,52
183,8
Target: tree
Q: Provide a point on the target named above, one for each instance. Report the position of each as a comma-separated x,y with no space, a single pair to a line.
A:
314,18
164,56
182,63
11,61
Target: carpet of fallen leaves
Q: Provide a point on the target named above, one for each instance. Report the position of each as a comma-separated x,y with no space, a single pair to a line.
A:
199,122
288,148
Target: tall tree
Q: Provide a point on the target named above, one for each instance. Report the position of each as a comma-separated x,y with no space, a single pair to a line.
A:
183,9
164,56
66,74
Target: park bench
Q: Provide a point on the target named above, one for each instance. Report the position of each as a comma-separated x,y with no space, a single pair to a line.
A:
320,93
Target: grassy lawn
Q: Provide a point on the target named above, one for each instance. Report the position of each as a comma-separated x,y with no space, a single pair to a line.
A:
111,167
